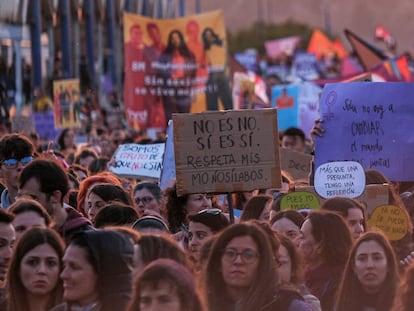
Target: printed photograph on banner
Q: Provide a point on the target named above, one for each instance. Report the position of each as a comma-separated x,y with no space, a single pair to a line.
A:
285,99
174,66
67,103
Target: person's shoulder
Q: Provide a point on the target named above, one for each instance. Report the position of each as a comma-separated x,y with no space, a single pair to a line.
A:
299,305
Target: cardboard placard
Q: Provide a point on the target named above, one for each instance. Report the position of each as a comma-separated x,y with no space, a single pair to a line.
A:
226,151
297,164
22,124
391,219
372,197
135,160
299,200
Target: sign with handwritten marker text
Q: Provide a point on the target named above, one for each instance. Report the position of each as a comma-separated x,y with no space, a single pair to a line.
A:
392,220
299,200
226,151
371,123
340,179
136,160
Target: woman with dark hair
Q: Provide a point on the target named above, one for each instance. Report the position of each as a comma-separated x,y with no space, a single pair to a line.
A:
178,68
352,210
147,198
179,208
97,273
291,272
257,207
66,143
115,214
102,194
218,84
288,223
325,245
154,246
241,273
33,277
370,278
201,226
165,285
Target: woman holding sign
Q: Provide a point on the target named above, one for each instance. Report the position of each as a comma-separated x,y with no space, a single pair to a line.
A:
370,279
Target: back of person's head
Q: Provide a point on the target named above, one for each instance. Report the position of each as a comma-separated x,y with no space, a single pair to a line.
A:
49,173
31,239
110,193
331,230
176,276
98,165
111,255
212,218
15,146
6,217
115,214
154,246
150,224
24,204
255,206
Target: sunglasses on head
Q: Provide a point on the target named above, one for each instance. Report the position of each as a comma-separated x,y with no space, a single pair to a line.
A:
12,163
211,211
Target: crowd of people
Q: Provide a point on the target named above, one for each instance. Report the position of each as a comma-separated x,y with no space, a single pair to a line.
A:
74,236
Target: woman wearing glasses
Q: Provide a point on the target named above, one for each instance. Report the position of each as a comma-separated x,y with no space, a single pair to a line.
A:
241,273
147,198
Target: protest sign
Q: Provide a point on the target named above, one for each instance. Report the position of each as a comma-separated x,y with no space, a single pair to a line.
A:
372,197
161,79
285,99
297,164
308,100
284,45
135,160
248,59
299,200
306,66
371,123
167,177
67,103
45,125
22,124
226,151
392,220
340,179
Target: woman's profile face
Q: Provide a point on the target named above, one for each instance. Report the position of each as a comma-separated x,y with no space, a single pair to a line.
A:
175,40
94,203
308,246
39,270
355,219
370,265
162,297
197,202
285,265
288,228
79,277
239,263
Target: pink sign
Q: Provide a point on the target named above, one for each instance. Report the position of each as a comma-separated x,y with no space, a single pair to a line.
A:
278,46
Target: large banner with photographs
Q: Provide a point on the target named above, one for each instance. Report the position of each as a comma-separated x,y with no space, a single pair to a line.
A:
67,104
174,65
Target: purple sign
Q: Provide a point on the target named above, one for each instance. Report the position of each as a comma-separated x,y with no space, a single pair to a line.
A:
371,123
306,66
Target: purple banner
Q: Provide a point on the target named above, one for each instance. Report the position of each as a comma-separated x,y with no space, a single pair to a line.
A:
371,123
